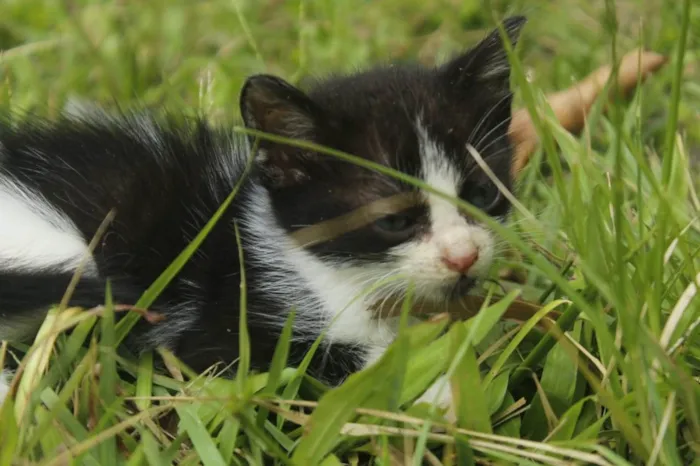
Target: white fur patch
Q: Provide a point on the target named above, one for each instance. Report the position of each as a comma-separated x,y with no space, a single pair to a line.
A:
452,235
324,295
421,260
440,394
34,235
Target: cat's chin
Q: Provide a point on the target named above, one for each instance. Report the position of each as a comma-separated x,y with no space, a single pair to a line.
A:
462,286
435,301
450,291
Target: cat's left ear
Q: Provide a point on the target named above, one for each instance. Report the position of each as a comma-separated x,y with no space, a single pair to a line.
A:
271,105
487,63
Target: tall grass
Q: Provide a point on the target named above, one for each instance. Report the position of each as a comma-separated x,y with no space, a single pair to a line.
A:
607,236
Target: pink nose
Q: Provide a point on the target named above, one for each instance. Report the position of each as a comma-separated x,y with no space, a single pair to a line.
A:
460,264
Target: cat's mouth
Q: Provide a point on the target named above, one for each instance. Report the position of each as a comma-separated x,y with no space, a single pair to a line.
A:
455,292
462,286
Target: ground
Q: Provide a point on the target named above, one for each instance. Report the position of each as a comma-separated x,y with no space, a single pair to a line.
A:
607,235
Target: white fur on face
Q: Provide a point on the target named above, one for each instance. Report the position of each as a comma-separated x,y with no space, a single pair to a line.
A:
325,295
324,292
421,260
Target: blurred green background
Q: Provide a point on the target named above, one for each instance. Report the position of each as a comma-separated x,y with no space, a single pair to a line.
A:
196,54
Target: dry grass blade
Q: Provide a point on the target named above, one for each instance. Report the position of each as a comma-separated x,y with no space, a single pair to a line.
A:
482,440
678,311
37,361
513,410
368,430
665,421
357,218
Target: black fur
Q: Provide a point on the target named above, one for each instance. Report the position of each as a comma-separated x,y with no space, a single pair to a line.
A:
165,180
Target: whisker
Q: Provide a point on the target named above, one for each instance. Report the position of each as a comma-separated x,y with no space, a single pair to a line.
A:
493,141
485,117
492,130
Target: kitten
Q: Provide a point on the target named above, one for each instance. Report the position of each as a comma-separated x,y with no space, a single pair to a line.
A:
58,181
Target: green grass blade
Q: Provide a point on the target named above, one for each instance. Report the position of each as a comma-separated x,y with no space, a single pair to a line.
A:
108,377
279,362
335,409
397,375
68,422
469,398
9,433
144,381
481,324
338,406
202,442
137,457
227,438
496,391
150,448
243,336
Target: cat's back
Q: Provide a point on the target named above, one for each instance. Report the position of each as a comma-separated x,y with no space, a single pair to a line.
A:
162,177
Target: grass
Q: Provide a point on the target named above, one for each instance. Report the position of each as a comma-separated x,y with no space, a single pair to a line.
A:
609,237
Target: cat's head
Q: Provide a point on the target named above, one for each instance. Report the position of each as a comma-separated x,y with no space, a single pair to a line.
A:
418,120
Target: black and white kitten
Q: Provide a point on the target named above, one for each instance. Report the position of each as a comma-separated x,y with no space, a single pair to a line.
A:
59,179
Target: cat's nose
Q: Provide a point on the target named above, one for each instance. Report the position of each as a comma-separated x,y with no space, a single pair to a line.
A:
460,263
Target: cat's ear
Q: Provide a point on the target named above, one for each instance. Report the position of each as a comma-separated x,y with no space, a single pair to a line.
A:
271,105
487,63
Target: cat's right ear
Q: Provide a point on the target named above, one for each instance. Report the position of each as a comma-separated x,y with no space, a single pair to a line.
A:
485,67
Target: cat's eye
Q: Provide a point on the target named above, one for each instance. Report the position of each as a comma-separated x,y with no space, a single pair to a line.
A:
396,225
488,198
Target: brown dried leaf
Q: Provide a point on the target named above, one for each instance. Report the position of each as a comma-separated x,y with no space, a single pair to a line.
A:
571,106
464,308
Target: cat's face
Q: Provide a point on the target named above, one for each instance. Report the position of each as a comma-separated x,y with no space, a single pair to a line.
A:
416,120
